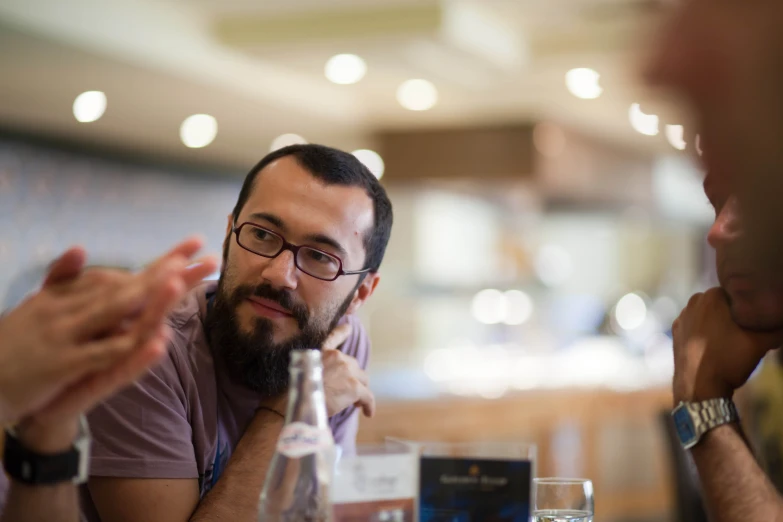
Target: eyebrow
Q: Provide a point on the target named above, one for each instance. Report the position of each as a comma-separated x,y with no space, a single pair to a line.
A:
321,239
326,240
269,218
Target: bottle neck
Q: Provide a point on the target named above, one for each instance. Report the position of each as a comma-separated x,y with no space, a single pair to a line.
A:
306,399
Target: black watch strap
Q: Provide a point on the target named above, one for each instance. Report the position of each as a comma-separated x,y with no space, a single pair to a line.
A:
28,467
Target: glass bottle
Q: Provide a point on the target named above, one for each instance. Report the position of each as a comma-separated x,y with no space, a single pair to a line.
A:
300,474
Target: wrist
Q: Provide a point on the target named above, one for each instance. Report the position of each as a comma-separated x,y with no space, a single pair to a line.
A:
278,404
685,391
47,438
271,411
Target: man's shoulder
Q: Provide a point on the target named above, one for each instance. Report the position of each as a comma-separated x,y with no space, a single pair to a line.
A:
188,347
186,320
192,307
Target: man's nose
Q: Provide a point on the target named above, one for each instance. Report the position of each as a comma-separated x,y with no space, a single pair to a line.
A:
281,271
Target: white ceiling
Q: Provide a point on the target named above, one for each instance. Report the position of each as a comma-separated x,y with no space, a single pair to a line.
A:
160,60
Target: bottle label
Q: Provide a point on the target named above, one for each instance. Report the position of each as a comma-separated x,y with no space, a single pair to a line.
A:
299,439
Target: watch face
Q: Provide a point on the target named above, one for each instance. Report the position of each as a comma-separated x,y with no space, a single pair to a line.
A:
684,425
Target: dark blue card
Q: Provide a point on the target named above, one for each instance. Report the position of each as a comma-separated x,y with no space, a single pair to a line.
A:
474,490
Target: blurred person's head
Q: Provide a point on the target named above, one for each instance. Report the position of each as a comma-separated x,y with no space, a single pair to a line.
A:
725,60
326,205
754,289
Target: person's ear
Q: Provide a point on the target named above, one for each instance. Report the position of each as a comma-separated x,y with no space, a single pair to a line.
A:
229,231
363,292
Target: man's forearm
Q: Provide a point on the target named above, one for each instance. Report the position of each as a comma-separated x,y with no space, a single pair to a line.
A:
735,487
58,503
235,496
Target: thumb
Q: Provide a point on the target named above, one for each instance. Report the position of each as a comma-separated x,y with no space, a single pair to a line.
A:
66,267
337,337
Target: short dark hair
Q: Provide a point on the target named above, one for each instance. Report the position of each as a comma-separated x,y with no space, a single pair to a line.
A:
335,167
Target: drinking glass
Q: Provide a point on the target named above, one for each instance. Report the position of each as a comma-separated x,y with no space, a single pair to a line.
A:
562,500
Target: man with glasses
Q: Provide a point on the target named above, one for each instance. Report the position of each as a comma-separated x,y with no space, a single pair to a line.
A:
193,439
725,58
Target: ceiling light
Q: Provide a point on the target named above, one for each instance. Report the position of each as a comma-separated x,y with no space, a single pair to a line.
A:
675,135
553,265
519,307
345,69
646,124
372,160
630,312
584,83
89,106
417,95
489,306
285,140
198,130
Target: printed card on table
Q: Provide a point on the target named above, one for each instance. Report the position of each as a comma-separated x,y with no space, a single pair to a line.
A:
474,490
376,488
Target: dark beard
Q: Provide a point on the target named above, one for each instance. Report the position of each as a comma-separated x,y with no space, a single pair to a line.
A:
254,360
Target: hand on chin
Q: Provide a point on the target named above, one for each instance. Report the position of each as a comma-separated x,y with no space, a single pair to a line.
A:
757,312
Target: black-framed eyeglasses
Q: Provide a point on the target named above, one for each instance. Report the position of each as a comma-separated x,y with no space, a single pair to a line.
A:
313,262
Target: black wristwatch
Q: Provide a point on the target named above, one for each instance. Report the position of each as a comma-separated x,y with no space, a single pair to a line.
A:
29,467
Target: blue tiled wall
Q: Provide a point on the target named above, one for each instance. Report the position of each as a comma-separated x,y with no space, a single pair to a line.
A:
122,213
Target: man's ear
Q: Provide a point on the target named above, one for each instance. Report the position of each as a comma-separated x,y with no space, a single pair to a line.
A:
363,292
229,224
229,231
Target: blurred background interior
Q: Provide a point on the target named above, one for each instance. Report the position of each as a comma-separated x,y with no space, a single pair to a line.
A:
550,222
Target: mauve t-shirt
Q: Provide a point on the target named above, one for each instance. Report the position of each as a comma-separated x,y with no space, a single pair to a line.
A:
184,418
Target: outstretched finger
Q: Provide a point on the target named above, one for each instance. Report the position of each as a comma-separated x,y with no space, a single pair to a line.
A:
160,303
185,249
198,270
66,267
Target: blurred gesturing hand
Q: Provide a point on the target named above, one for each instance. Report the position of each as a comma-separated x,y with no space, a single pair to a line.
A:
87,334
345,383
712,355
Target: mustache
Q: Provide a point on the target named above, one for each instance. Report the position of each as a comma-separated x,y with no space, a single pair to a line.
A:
281,297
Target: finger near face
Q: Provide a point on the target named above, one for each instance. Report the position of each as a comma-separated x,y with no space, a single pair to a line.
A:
200,269
185,249
368,402
338,336
159,303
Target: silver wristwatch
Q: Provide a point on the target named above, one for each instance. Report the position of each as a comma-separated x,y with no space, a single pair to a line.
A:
693,419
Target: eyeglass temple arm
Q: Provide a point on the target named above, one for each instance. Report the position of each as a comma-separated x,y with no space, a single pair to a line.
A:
356,272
